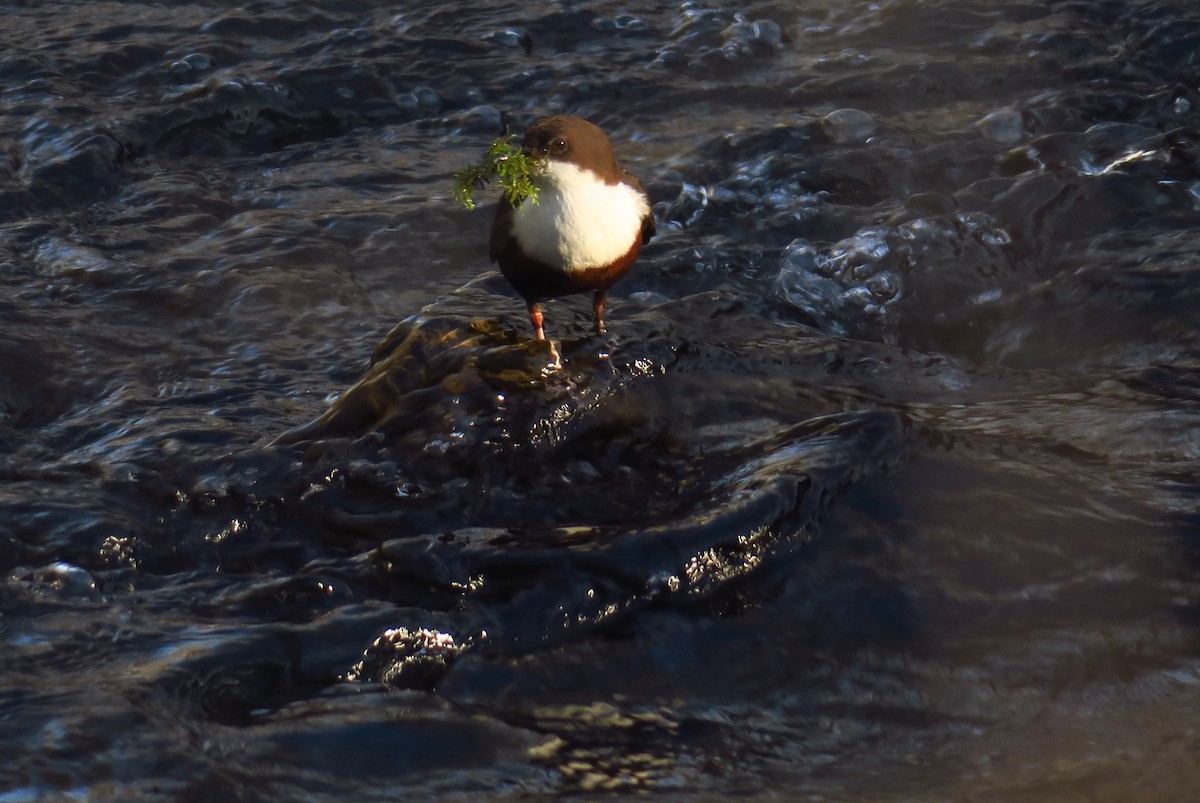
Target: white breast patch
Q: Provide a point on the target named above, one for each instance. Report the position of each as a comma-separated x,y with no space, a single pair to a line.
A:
579,221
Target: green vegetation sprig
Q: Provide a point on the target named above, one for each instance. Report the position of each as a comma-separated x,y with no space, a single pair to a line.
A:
509,165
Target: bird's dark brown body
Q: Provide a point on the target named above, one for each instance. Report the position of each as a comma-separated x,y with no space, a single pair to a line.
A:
587,227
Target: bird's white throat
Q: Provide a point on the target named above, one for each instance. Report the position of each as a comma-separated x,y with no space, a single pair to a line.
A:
579,222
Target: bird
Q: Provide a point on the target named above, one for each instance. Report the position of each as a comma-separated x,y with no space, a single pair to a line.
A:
584,230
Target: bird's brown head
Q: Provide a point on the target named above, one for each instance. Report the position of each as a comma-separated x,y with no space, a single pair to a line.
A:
571,139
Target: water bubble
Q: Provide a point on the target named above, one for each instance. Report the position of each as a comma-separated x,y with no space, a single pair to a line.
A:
768,32
989,296
799,255
848,125
724,195
706,258
698,22
885,286
749,37
870,244
984,228
622,22
628,22
511,37
479,118
1005,126
688,208
670,57
426,96
199,61
925,229
800,283
648,298
66,578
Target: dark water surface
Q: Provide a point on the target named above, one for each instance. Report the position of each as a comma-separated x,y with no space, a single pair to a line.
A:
884,484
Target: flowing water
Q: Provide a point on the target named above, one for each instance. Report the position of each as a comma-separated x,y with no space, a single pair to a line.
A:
884,484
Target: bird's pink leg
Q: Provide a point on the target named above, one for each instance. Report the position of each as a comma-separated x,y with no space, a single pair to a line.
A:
537,319
598,309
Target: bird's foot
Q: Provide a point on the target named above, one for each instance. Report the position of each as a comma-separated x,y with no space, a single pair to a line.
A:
555,363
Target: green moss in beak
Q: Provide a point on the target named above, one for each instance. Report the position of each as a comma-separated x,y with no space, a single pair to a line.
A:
506,163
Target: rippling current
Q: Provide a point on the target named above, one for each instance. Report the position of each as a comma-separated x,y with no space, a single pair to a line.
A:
883,484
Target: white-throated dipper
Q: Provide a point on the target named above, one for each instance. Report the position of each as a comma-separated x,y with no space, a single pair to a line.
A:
585,230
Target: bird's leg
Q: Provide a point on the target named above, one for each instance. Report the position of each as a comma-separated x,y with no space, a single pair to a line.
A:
537,319
598,309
